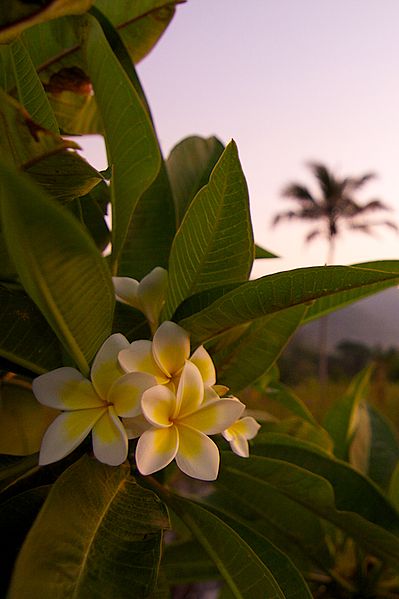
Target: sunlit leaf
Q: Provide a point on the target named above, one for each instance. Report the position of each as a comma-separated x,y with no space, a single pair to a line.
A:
98,534
276,292
131,140
30,89
214,244
23,421
59,266
189,165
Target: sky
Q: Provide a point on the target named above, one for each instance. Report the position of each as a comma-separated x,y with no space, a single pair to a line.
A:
291,81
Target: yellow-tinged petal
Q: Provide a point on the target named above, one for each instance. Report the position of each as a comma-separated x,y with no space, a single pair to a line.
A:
203,362
240,446
210,394
105,369
156,448
126,291
215,416
67,431
65,389
190,392
158,406
110,442
171,347
136,426
138,358
197,456
247,427
125,394
152,291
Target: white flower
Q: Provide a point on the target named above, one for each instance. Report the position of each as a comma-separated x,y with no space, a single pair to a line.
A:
238,434
148,296
95,405
165,357
180,422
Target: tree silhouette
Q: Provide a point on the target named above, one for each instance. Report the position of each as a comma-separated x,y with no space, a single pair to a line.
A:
334,208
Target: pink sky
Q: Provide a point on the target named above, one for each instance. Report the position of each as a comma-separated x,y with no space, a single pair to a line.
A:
290,81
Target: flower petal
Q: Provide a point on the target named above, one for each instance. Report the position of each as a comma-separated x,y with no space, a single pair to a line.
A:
152,291
158,406
136,426
215,416
105,369
247,427
203,362
125,394
65,389
156,448
190,392
138,358
240,446
197,456
110,439
66,432
171,347
126,291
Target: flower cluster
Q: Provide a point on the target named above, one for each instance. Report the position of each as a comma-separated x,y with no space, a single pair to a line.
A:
154,390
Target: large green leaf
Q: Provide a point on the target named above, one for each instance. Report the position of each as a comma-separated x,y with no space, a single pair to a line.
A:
348,484
189,165
286,397
23,420
264,476
257,349
131,140
59,266
25,337
243,571
151,230
279,291
98,535
340,299
214,244
186,562
383,454
30,89
340,420
18,15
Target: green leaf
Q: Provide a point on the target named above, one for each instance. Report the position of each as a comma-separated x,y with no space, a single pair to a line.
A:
131,140
30,89
261,253
25,337
11,468
340,299
97,535
151,231
286,397
15,19
187,562
340,420
393,492
214,244
59,266
243,571
189,166
93,208
384,448
279,291
299,429
348,484
23,420
317,495
286,574
257,349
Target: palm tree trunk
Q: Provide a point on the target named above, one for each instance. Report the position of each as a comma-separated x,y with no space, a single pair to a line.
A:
323,331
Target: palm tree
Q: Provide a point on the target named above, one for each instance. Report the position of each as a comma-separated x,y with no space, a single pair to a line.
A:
333,208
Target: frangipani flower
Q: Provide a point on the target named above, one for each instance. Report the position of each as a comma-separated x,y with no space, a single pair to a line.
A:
94,405
148,296
238,434
165,357
180,422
